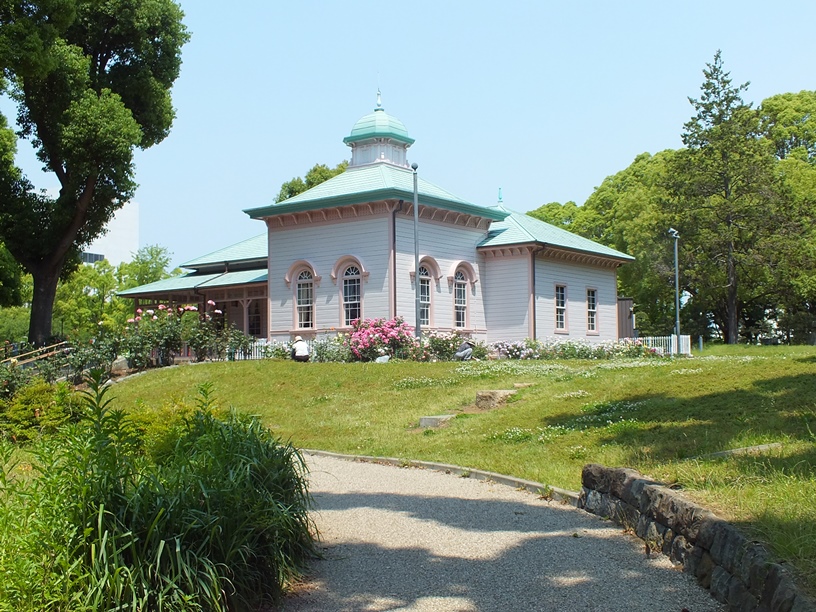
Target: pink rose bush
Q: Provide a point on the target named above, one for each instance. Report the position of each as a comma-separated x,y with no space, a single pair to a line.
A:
372,338
159,335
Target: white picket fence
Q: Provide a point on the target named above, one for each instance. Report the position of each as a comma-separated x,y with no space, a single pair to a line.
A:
668,345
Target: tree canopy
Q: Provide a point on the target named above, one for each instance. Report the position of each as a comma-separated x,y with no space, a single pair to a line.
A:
91,81
318,174
742,194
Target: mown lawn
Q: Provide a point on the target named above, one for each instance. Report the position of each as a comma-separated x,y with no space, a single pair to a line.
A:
658,416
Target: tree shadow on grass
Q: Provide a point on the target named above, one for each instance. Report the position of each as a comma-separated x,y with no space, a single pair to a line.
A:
668,428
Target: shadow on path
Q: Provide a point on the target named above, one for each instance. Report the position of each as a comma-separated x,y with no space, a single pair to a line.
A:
407,539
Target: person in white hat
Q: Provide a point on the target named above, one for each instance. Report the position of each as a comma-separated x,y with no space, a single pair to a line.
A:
300,349
465,351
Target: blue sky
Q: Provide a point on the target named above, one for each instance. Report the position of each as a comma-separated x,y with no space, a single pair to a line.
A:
541,99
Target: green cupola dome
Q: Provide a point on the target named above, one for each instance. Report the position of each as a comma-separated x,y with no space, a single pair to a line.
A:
378,124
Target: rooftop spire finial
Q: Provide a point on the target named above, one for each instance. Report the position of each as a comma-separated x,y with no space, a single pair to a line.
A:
379,100
500,196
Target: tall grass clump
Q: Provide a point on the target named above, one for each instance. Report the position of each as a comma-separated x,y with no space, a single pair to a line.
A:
220,523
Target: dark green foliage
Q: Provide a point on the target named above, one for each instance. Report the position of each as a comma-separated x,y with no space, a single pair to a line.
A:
92,82
12,378
220,523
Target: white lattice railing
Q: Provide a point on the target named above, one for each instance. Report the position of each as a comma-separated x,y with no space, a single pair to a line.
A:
668,345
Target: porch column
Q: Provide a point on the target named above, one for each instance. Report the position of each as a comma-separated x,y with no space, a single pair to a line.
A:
245,305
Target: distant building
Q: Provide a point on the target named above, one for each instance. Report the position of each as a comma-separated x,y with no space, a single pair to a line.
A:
344,250
120,242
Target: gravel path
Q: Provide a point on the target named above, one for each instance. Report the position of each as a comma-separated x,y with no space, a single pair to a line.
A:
410,539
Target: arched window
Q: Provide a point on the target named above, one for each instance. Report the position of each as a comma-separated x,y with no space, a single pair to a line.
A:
352,303
460,303
424,296
305,300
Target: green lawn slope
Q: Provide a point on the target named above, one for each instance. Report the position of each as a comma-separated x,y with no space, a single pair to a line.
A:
660,416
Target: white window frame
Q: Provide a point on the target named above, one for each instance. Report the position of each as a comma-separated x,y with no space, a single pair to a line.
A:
424,296
352,275
592,310
460,300
560,302
305,283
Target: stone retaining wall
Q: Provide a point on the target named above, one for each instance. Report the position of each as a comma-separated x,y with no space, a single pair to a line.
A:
737,571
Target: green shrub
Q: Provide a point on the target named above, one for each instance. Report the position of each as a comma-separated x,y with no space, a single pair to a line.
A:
220,523
332,348
159,427
38,408
12,378
279,350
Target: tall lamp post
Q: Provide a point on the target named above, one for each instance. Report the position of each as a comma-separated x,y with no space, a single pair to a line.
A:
418,303
676,235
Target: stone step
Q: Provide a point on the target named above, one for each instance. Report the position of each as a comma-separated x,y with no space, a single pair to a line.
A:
434,421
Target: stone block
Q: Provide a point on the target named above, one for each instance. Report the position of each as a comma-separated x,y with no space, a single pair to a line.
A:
434,421
802,603
773,582
672,508
632,491
668,538
720,580
485,400
703,570
691,564
728,547
621,481
595,477
707,531
754,568
739,599
785,594
593,501
681,551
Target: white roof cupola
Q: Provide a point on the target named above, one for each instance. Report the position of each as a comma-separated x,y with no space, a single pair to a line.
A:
379,138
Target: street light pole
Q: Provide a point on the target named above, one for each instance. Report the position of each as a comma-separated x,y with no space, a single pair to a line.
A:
676,235
418,304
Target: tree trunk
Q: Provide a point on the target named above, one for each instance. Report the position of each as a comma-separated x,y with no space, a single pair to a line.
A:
45,279
732,324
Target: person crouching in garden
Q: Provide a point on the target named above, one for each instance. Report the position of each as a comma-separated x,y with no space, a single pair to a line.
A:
300,349
464,352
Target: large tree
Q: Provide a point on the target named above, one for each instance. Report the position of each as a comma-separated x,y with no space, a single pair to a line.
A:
727,202
91,81
789,121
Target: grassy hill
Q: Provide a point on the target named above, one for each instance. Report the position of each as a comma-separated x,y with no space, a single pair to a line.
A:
661,417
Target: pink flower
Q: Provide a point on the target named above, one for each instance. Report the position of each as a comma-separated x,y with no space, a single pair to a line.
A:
138,311
138,319
162,306
181,309
193,308
131,320
210,303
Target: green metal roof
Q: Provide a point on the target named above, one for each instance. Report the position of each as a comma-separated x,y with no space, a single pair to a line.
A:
378,124
198,281
372,182
175,283
253,248
524,229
